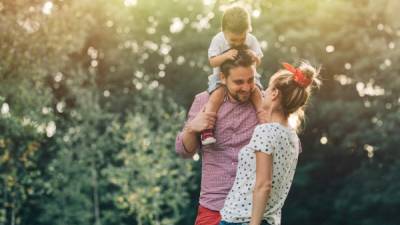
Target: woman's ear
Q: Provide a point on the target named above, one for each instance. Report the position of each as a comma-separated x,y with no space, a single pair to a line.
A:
275,94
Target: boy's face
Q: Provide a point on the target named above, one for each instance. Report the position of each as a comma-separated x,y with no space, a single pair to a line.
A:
235,39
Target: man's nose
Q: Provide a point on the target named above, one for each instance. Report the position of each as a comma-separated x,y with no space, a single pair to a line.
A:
246,87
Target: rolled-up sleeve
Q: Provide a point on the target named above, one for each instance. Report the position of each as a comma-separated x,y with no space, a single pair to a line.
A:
180,149
197,105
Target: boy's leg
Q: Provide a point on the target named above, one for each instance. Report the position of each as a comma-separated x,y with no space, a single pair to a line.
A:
215,100
256,99
213,104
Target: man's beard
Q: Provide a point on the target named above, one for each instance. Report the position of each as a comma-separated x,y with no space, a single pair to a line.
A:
237,96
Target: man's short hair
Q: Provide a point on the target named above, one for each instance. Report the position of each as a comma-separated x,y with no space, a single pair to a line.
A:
242,59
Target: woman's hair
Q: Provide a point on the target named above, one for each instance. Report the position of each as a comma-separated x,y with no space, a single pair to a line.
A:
236,20
294,94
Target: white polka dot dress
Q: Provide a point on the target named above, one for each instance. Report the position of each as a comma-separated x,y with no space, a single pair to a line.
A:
283,144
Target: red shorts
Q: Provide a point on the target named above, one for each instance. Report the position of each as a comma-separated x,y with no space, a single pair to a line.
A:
207,217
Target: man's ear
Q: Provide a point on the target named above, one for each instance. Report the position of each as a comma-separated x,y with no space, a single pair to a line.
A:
222,78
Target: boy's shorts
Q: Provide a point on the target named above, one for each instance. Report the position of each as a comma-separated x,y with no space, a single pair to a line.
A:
214,82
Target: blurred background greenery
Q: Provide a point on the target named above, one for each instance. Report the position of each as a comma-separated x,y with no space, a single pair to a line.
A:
93,92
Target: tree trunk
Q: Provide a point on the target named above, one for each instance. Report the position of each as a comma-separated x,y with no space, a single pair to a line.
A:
13,212
96,203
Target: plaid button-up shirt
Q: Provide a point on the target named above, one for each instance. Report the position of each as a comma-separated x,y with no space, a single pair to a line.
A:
233,129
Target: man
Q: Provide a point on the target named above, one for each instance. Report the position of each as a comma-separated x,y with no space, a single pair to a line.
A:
233,129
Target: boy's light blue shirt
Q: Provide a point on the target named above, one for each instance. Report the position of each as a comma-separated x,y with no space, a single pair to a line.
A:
219,45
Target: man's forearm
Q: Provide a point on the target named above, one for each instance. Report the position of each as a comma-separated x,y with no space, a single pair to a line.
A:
190,140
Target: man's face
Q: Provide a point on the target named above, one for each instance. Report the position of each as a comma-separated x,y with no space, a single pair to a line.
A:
240,83
235,39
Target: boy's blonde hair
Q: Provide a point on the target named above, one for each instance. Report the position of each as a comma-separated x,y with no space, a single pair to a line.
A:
236,19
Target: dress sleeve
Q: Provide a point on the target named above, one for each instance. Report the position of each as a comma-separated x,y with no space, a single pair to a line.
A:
263,139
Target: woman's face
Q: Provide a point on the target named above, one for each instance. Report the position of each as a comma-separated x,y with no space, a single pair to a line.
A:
269,94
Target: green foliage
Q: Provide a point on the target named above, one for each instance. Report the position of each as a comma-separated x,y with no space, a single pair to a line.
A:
91,95
21,142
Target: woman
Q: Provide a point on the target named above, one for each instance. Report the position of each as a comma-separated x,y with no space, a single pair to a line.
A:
267,164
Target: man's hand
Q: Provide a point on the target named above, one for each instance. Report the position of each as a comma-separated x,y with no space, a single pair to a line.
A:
202,121
231,54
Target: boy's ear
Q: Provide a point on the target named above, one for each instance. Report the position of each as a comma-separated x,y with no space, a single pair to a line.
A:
222,78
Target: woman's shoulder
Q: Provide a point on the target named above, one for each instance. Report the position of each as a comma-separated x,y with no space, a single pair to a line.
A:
268,127
273,129
265,130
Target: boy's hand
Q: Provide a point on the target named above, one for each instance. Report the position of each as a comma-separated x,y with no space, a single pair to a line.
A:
231,54
253,55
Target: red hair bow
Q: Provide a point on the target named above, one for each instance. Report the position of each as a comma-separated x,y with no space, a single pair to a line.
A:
299,77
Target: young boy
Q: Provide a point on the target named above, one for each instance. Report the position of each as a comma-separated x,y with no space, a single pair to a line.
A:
236,26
